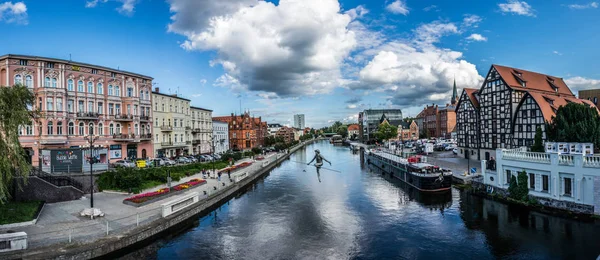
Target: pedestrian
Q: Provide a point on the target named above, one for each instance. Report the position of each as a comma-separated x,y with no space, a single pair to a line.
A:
219,173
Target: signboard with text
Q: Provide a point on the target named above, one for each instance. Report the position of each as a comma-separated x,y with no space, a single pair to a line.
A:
66,160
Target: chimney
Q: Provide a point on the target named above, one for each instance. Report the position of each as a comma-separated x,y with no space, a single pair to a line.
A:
157,90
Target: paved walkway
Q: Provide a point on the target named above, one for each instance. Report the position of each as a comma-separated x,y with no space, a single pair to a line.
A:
60,222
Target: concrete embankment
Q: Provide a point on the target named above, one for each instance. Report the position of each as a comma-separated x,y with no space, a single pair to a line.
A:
120,243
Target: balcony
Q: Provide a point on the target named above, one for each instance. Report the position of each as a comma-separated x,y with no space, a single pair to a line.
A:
166,128
146,137
196,142
123,118
172,144
124,137
53,139
187,128
144,118
195,130
188,142
87,116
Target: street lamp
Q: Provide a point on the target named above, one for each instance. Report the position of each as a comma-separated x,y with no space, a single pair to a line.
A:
91,212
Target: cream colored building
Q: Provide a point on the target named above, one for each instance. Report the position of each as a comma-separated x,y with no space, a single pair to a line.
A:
201,126
172,131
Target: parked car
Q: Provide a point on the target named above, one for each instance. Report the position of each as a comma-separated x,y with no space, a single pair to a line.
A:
206,158
450,147
182,160
192,159
455,150
217,157
124,163
169,162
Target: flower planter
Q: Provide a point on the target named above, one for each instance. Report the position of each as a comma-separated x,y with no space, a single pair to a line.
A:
150,197
236,167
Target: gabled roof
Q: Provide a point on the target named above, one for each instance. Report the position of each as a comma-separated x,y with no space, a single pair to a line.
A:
353,127
550,103
533,81
471,93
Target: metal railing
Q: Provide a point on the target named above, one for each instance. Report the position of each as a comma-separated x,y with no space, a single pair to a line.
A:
88,115
124,136
166,128
56,180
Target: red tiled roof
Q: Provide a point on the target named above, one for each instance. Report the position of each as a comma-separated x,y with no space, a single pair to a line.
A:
471,94
533,80
353,127
550,103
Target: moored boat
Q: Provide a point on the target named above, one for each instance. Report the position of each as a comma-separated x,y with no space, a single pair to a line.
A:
413,171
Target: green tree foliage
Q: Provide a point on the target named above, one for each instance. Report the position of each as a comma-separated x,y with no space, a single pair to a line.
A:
14,112
342,130
518,190
513,187
538,145
576,123
386,131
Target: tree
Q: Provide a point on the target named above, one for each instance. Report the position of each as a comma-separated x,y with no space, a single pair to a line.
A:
518,190
577,123
14,113
342,130
386,131
538,145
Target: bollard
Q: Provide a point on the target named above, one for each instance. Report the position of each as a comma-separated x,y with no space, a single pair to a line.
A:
70,235
137,219
107,227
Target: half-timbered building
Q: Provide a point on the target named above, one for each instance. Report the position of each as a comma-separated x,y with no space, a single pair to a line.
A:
467,124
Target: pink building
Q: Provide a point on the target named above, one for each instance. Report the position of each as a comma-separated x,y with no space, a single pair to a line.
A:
78,99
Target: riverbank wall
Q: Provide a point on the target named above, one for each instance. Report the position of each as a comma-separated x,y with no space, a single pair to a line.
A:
114,245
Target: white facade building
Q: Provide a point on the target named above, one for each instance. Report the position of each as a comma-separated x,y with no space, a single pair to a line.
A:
221,136
171,126
273,128
569,179
299,121
201,128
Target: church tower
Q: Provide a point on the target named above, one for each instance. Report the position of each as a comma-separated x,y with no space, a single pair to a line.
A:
454,99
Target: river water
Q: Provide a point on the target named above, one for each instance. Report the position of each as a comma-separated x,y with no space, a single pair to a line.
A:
356,213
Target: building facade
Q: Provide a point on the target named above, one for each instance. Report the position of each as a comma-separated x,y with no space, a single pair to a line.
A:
467,124
353,131
299,121
172,135
221,136
273,128
408,131
592,95
77,100
372,118
201,128
245,132
429,118
287,133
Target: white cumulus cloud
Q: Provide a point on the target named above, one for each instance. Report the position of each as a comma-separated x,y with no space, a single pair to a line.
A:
294,48
477,37
398,7
517,7
585,6
13,13
127,7
581,83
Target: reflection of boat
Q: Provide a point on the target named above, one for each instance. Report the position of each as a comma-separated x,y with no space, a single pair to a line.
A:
336,139
413,171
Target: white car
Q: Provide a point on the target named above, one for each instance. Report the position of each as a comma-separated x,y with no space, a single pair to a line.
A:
455,150
124,163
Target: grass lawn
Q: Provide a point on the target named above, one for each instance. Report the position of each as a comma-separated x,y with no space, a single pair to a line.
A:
15,212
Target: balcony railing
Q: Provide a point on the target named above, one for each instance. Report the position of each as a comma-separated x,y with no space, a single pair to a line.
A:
188,142
188,128
146,137
196,142
172,144
124,137
88,115
144,118
195,130
123,117
166,128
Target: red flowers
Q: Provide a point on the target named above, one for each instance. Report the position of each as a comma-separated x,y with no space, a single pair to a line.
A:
235,167
141,198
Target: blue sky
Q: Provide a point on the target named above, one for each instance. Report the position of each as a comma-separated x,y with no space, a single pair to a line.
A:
327,59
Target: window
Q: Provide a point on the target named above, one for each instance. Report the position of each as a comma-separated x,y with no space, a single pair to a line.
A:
18,80
70,106
508,176
118,128
29,81
90,107
234,135
71,128
50,65
54,83
118,109
80,86
90,87
117,91
59,128
110,90
91,129
100,88
130,92
163,107
129,109
100,129
81,131
532,181
147,95
568,189
50,128
94,71
112,74
136,129
70,85
80,106
49,104
59,105
141,94
545,183
135,110
100,108
23,62
111,110
595,100
111,130
28,130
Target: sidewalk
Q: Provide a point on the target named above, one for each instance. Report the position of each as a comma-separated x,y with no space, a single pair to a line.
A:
60,221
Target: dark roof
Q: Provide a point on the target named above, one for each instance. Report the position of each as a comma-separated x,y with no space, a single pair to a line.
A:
166,95
19,56
205,109
274,125
405,125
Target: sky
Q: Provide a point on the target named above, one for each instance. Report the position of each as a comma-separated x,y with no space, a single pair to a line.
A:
327,59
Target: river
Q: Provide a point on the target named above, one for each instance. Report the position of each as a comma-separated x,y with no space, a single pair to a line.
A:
356,213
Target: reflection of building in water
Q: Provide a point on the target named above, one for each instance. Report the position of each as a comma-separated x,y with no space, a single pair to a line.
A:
507,228
431,200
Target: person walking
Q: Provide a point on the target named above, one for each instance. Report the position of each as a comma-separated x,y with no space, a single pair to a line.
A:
229,174
219,174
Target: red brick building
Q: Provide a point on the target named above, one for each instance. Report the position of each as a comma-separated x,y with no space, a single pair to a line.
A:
287,133
245,132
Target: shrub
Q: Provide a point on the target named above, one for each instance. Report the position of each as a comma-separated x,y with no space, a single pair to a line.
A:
519,190
256,150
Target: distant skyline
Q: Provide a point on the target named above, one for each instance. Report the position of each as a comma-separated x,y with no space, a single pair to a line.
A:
326,59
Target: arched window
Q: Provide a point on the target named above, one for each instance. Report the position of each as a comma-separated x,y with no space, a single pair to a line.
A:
81,129
141,94
91,129
80,86
100,129
111,130
50,128
71,128
147,95
100,88
18,80
118,128
70,85
117,91
29,81
110,90
90,87
54,83
59,128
